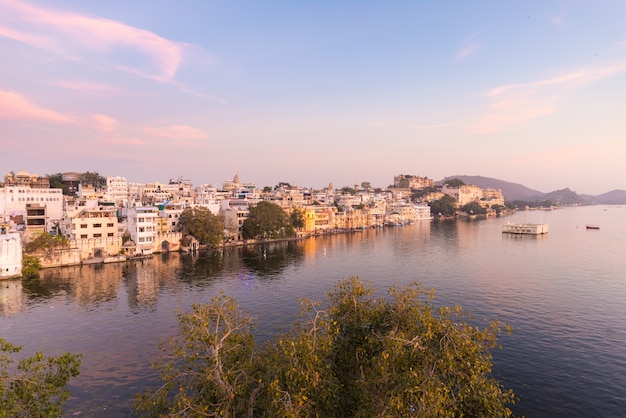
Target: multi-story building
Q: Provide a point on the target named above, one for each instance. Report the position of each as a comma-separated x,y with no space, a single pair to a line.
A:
234,218
169,214
463,194
492,197
117,190
22,178
44,207
94,222
408,181
142,227
71,180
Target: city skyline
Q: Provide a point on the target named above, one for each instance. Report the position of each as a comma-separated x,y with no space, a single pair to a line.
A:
310,94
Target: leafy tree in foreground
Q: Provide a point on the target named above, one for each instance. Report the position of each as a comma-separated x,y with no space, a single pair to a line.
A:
267,220
202,224
36,385
355,355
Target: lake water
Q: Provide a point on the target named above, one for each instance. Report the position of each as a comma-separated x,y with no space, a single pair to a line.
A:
564,294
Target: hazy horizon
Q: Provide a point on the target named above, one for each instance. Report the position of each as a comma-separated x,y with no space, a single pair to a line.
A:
314,93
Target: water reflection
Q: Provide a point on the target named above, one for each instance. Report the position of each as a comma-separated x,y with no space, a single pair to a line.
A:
269,260
564,293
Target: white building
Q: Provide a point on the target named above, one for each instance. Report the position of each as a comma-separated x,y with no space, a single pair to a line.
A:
10,255
117,190
14,201
142,227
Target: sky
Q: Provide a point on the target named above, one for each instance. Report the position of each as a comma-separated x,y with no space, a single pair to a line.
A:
316,92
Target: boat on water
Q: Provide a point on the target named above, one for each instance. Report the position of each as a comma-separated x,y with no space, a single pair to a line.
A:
524,229
593,227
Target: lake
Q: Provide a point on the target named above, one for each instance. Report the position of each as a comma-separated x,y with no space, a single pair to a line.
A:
564,293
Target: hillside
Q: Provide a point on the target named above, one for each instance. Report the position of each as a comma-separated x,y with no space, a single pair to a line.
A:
511,191
614,197
514,191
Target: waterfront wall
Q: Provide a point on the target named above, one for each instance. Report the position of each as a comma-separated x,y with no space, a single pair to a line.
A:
10,255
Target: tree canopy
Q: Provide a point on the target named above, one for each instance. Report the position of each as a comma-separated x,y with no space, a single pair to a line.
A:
352,355
474,208
202,224
455,182
45,242
267,220
297,218
35,386
446,206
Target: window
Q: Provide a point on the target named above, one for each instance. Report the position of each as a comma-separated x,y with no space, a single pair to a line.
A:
110,234
97,235
97,225
83,225
83,236
109,225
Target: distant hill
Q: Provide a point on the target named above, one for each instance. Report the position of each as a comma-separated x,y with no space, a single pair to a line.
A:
614,197
511,191
566,197
514,191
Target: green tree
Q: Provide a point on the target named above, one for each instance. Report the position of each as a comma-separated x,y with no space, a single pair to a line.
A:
455,182
95,179
30,266
56,183
446,206
474,208
498,208
202,224
366,185
267,220
297,218
46,241
353,355
35,386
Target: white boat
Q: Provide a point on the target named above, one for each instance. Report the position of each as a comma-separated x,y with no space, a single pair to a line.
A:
524,229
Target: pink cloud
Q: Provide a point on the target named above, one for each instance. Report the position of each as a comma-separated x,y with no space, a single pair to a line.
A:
177,132
94,89
104,123
118,140
432,127
519,103
71,34
470,47
16,106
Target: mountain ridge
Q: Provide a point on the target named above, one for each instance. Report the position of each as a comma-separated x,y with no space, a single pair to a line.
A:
516,191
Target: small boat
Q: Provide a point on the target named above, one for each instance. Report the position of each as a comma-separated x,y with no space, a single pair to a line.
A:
593,227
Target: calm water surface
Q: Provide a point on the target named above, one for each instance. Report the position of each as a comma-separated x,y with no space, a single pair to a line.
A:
564,294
